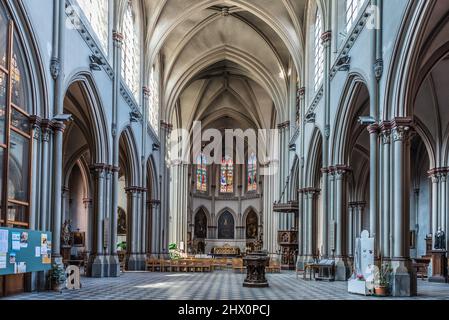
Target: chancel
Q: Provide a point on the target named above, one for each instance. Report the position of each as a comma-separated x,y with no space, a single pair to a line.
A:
166,148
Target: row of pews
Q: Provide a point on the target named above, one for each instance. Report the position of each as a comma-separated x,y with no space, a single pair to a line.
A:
203,265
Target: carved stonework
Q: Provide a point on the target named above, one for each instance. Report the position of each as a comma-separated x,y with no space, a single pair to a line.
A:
326,37
379,69
55,68
401,133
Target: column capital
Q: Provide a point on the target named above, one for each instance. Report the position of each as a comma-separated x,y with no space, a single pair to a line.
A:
166,126
146,92
310,190
339,169
402,128
438,173
98,167
58,126
326,37
373,128
284,125
117,37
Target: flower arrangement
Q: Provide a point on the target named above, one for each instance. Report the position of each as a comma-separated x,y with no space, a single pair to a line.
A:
360,277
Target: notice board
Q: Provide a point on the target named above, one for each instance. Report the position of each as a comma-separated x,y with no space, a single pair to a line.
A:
23,251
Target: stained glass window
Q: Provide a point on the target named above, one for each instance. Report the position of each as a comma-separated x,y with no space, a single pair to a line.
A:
352,11
252,172
227,175
319,51
131,52
96,12
201,173
153,109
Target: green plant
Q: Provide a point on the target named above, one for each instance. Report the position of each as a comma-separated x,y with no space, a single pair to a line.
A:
121,246
57,274
385,275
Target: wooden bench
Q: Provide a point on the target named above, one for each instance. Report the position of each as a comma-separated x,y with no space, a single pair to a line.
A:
237,265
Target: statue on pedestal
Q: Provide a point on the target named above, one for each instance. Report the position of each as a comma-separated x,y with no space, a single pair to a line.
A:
440,240
66,232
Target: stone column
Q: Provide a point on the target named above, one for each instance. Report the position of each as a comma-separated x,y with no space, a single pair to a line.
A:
343,268
165,132
435,179
386,192
325,201
34,205
58,129
97,261
331,214
403,279
90,226
351,238
44,209
374,186
133,229
443,200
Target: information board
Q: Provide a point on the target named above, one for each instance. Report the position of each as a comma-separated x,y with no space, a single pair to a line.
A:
23,251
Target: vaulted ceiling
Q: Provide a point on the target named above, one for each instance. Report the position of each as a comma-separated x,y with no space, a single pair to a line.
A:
226,59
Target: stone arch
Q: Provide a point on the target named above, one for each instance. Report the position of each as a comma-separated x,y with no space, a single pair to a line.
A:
346,114
313,167
129,157
93,118
251,219
227,212
259,73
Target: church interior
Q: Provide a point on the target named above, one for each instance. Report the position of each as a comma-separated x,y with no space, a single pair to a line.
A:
259,143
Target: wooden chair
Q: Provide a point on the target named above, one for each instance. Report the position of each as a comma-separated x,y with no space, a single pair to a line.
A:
274,266
206,266
174,266
183,267
237,265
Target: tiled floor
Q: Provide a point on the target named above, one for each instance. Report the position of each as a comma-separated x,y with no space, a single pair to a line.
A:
219,285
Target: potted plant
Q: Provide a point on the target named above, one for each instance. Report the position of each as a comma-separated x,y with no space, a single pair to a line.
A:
382,287
57,277
121,246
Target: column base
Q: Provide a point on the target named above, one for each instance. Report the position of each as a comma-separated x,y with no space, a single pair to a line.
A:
403,279
343,269
136,262
114,266
303,261
96,266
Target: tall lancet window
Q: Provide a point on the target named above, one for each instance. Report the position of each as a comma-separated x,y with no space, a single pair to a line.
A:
201,173
96,12
131,51
352,11
227,175
319,51
15,128
252,172
153,109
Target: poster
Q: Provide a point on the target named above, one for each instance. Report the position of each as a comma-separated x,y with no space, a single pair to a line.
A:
45,249
15,236
21,267
2,260
16,245
24,240
12,258
37,252
3,241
